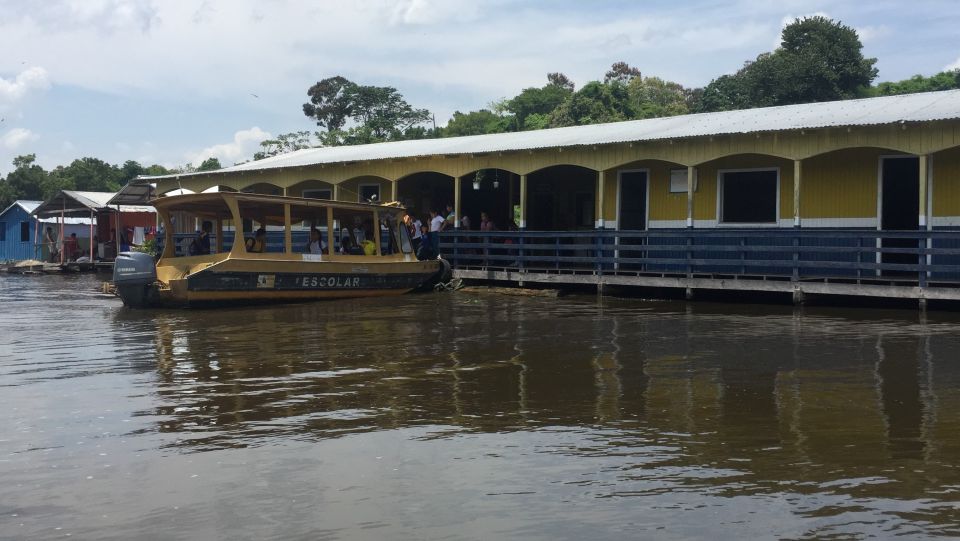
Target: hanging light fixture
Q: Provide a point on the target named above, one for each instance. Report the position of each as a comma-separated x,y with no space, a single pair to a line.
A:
496,178
477,178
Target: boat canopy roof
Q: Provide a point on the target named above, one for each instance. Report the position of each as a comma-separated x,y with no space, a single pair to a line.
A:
215,204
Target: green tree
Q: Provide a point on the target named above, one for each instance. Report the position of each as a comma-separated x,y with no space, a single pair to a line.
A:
475,123
595,103
541,100
285,142
210,164
818,60
621,72
330,104
92,175
653,97
156,170
380,113
130,170
945,80
26,181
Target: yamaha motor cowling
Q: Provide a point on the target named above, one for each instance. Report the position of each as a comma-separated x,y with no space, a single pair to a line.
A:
135,277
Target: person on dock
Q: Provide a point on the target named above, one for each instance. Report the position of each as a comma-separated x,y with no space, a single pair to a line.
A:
70,247
50,246
436,226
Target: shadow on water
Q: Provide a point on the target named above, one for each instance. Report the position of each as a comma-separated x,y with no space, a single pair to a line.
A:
849,418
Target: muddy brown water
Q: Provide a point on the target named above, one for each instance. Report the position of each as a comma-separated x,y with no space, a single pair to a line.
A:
455,416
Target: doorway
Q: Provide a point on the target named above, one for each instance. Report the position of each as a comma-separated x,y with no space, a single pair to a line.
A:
899,206
631,214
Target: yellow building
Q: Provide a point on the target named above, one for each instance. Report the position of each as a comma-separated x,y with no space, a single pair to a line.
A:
877,164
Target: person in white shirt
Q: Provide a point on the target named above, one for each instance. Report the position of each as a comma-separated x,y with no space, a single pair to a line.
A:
436,223
316,246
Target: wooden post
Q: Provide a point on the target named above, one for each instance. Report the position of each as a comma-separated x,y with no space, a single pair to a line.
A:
924,212
394,189
600,203
287,230
523,203
797,170
336,192
691,172
456,202
37,248
91,237
376,230
330,237
923,217
62,213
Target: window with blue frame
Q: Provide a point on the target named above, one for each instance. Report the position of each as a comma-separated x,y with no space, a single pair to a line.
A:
3,231
24,231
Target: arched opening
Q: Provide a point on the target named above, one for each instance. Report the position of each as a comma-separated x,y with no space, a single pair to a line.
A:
264,188
495,192
365,189
218,188
422,192
562,198
311,189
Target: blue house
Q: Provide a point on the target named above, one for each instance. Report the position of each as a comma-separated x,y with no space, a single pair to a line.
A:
18,228
17,231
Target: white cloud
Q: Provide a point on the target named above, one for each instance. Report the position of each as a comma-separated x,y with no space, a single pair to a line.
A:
954,66
870,34
425,12
245,143
16,137
34,78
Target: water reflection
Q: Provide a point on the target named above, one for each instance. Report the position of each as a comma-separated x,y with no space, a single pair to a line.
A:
805,423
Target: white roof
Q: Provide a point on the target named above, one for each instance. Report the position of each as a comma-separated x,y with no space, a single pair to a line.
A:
30,206
919,107
80,204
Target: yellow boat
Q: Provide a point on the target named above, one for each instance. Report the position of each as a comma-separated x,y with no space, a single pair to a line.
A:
361,250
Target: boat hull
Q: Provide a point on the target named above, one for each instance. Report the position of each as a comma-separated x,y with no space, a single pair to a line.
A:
221,284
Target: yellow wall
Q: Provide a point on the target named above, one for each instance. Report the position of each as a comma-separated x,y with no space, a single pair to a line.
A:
297,189
841,184
946,183
350,190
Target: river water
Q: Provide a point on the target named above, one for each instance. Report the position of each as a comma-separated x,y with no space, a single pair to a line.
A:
464,416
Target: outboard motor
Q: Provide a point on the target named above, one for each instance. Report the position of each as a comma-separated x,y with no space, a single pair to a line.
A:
135,277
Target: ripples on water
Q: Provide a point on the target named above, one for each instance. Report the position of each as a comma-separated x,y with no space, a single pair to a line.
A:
472,417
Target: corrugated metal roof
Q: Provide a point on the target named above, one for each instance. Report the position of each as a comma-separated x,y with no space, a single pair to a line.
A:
920,107
71,202
26,204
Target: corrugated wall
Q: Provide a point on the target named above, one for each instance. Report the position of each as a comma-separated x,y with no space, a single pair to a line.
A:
946,183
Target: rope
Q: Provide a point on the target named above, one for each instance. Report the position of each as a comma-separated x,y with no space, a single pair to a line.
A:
452,285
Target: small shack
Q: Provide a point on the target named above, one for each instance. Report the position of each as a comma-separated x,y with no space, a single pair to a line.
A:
17,227
111,228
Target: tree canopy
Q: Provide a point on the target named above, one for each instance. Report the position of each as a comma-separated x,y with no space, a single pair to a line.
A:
378,113
818,60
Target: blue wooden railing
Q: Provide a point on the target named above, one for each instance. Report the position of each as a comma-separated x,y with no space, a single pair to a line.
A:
920,257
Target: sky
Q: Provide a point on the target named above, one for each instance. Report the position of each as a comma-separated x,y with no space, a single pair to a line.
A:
174,82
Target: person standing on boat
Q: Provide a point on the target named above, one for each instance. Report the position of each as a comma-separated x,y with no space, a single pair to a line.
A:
258,244
316,245
414,227
425,251
201,244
